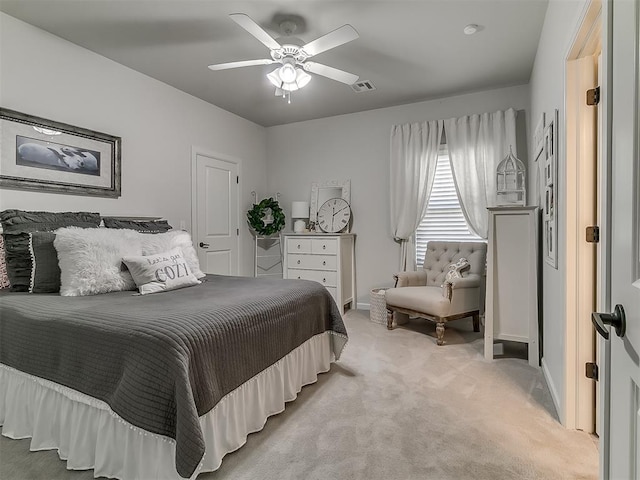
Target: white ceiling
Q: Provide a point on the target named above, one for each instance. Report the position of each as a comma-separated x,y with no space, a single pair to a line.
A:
412,50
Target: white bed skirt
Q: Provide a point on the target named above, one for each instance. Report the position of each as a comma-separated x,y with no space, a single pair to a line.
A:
89,435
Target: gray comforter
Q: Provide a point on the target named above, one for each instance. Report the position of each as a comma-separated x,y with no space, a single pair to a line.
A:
160,361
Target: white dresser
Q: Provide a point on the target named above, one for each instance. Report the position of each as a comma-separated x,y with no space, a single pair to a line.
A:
328,259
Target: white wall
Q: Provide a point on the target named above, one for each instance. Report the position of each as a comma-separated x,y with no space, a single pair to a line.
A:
547,94
47,76
356,147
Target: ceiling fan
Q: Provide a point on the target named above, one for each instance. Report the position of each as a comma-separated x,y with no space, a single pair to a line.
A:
292,74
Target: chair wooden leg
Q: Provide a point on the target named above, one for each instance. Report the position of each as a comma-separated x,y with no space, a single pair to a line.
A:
476,322
389,319
440,332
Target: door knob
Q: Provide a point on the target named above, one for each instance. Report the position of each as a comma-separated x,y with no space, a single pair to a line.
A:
204,245
617,320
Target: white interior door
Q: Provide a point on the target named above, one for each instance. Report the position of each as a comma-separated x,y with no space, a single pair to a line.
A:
215,213
623,369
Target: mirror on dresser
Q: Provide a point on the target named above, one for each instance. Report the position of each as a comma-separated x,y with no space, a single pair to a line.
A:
323,191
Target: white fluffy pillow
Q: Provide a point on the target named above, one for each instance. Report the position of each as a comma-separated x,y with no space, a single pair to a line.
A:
153,243
160,272
90,259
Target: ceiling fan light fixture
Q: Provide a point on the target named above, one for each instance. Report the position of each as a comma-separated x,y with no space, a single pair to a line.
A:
287,73
300,79
274,78
291,74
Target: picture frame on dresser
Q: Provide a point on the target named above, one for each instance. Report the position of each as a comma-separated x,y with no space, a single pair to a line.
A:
323,191
46,155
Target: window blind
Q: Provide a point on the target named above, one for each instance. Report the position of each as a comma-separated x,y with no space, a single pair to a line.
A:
444,219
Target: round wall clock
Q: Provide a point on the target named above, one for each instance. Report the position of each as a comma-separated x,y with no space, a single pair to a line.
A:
334,215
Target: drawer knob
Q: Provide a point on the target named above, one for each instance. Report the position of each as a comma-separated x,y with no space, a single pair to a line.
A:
324,280
324,262
298,262
298,277
298,246
324,247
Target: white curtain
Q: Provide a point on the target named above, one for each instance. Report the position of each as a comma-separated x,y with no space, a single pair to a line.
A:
477,144
414,154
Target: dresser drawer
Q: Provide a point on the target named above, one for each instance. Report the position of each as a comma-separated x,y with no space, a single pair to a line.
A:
313,262
320,245
329,279
299,245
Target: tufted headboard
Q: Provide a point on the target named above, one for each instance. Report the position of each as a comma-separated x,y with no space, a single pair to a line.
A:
440,255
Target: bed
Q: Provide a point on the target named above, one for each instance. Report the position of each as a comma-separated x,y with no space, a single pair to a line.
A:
163,385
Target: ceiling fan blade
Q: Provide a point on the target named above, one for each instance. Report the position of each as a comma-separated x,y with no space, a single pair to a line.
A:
339,36
256,30
244,63
330,72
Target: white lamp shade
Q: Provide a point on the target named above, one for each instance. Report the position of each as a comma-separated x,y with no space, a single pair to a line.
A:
299,209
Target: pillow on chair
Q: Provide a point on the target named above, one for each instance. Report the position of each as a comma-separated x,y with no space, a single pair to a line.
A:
455,271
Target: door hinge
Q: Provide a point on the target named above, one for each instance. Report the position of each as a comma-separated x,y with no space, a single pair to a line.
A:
593,234
237,231
591,370
237,179
593,96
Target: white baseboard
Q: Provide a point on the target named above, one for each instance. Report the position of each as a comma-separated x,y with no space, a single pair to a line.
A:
363,306
553,391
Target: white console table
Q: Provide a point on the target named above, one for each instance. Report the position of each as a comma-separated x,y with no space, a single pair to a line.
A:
512,281
328,259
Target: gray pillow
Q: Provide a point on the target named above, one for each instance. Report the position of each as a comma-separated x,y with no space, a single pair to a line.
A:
16,226
160,272
163,242
142,226
45,272
4,278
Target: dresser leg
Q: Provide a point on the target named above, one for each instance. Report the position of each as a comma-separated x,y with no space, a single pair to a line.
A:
389,319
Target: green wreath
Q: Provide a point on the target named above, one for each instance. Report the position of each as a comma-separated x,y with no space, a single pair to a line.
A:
255,217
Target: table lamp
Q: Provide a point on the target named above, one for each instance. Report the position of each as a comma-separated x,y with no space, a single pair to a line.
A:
299,213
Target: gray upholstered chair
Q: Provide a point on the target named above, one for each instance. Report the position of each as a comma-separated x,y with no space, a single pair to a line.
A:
425,294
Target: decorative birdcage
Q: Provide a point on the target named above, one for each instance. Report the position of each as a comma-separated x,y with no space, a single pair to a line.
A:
511,181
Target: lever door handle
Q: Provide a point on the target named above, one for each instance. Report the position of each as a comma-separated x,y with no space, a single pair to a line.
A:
617,320
204,245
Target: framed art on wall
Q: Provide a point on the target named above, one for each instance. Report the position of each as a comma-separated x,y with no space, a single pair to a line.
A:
550,217
538,137
45,155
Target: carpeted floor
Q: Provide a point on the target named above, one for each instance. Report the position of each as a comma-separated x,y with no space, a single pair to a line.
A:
396,407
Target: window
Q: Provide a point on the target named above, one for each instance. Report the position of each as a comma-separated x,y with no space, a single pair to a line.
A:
444,219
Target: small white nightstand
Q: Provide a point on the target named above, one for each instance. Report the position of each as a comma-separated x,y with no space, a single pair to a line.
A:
328,259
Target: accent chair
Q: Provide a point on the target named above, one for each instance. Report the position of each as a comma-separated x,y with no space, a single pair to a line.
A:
428,294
